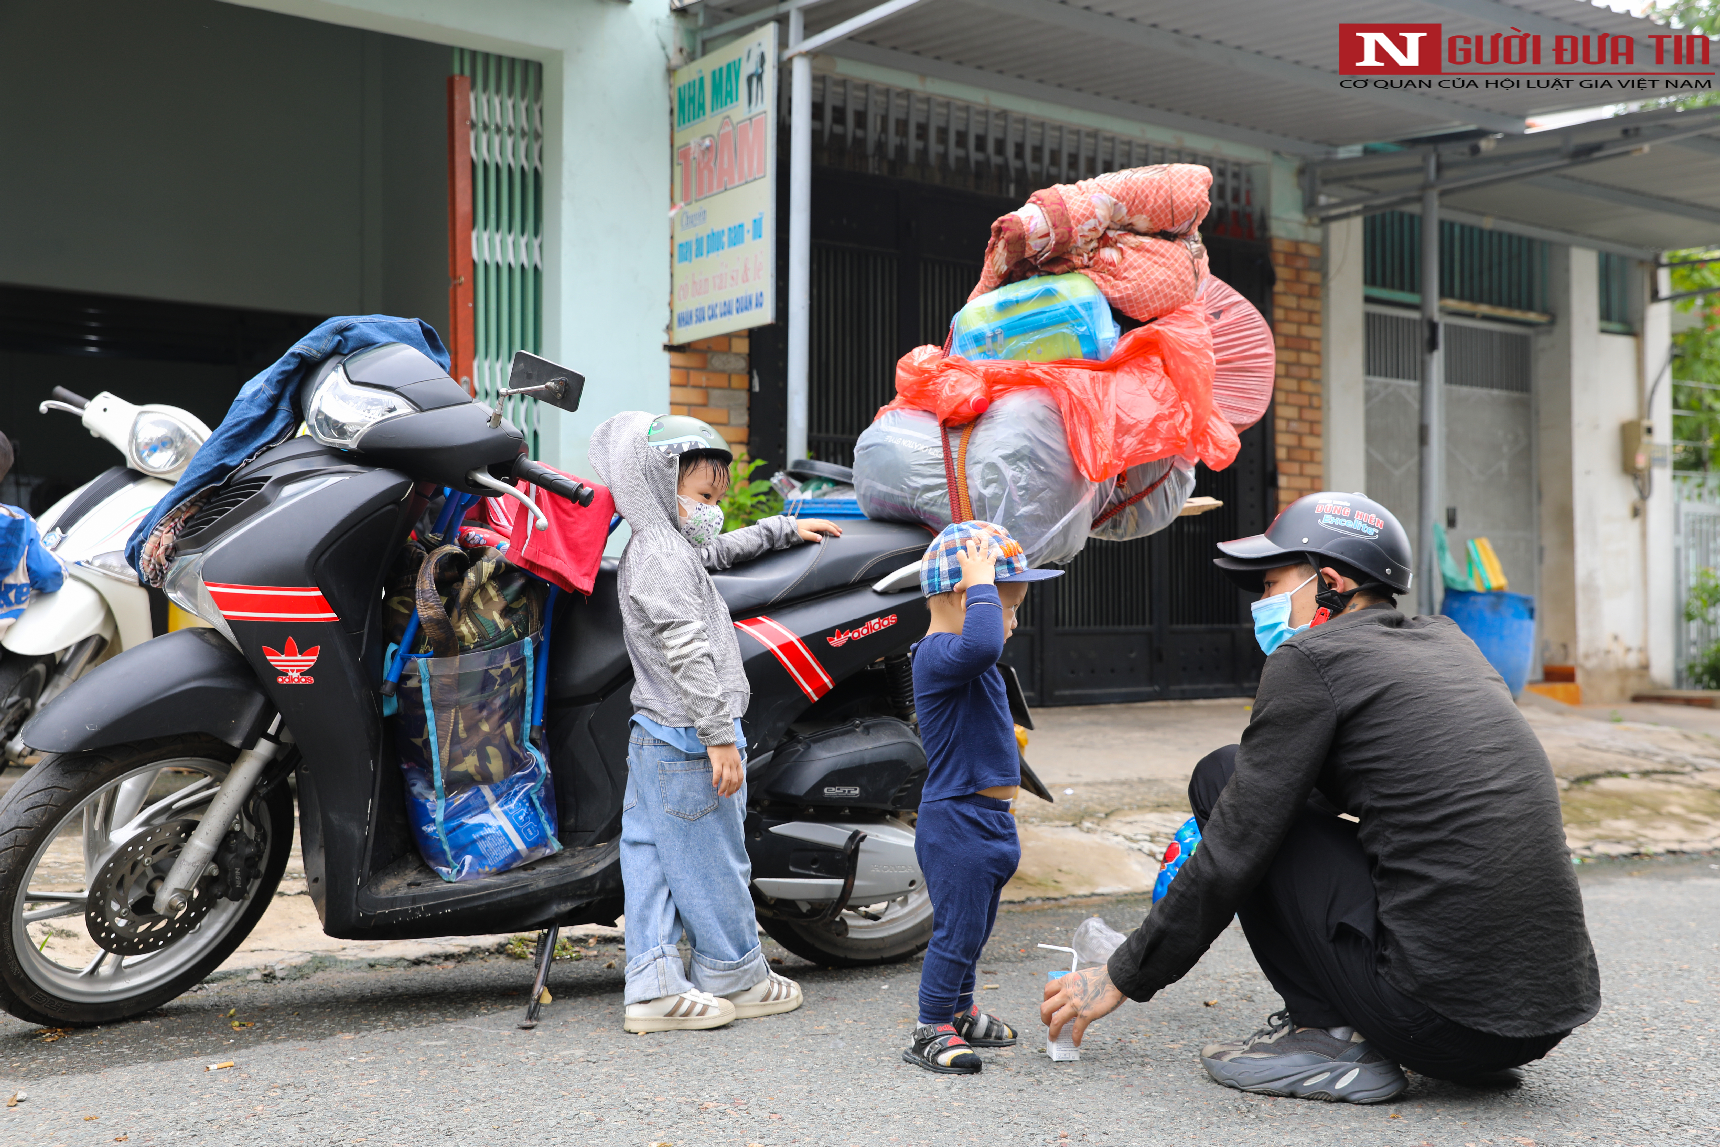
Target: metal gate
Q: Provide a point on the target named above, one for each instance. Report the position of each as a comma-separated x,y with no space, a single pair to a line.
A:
1489,449
505,224
1697,537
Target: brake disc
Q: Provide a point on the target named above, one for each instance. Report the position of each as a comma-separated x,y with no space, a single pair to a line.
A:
120,911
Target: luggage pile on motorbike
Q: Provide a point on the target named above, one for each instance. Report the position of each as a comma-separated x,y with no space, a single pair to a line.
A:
1095,363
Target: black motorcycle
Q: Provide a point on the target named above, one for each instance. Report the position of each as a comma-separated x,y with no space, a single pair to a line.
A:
162,813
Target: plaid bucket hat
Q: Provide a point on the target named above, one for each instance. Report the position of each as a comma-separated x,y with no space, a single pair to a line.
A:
940,571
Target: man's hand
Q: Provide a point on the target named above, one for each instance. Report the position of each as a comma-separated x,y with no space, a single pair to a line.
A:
727,770
1081,996
814,529
978,562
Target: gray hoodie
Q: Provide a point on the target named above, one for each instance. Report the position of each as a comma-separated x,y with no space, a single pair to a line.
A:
686,660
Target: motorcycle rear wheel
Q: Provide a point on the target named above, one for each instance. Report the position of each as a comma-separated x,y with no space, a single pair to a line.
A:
855,939
66,822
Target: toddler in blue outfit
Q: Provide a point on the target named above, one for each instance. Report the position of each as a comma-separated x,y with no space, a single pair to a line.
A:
974,577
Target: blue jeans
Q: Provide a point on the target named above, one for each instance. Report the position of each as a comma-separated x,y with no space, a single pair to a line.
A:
684,862
968,847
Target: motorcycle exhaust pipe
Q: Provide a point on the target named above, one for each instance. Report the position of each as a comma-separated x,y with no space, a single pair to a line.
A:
174,895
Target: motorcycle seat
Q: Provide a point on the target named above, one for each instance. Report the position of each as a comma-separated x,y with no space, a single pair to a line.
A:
865,552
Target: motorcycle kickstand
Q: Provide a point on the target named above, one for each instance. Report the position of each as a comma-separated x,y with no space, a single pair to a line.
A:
545,956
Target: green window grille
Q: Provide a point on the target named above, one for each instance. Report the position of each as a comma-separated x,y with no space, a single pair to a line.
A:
507,221
1615,273
1492,268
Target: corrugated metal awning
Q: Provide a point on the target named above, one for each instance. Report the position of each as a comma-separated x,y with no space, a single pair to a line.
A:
1651,185
1234,68
1267,74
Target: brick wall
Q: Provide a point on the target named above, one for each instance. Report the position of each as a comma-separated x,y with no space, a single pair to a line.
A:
1298,419
711,379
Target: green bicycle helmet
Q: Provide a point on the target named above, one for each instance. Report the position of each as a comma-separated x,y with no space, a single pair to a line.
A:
678,434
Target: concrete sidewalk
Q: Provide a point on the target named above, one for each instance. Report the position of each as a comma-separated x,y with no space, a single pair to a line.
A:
1635,779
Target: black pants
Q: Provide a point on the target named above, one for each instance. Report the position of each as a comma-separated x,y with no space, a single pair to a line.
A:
1311,923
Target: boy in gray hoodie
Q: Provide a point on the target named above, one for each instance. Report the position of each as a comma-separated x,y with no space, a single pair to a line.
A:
683,852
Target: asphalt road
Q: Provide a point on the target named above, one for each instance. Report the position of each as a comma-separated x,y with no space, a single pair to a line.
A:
431,1055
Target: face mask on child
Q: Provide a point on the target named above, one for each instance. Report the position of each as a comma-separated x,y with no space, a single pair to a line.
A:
1272,619
701,522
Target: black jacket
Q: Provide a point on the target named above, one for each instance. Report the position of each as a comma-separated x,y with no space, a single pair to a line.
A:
1402,723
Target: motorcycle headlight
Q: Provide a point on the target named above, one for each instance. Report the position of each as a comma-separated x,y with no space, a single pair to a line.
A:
161,443
184,586
337,411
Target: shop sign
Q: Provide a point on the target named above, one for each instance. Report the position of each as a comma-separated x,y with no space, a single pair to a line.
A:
723,226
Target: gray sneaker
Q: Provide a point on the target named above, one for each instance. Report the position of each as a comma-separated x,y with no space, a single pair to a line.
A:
1339,1066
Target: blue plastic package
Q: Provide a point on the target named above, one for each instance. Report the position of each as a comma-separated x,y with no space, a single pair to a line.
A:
1181,847
1043,319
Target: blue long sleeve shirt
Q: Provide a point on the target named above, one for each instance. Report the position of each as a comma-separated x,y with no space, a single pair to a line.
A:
965,722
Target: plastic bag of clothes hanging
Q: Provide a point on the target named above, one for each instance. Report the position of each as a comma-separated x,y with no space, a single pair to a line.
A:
478,793
1144,500
1019,474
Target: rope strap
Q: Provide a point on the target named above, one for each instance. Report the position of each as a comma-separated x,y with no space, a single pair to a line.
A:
1130,500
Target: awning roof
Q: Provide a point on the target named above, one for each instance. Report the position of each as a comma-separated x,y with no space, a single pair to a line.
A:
1651,185
1266,73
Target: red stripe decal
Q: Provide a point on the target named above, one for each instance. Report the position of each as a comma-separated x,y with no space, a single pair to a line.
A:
270,602
794,656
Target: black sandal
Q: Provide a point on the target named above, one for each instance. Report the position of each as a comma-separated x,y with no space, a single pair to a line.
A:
938,1048
982,1030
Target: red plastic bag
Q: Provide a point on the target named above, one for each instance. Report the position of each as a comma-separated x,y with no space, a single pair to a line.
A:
1151,399
1245,356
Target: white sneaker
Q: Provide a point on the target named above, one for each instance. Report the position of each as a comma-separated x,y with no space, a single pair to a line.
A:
690,1011
769,996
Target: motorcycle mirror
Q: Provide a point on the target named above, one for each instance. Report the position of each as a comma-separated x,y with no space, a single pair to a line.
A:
542,379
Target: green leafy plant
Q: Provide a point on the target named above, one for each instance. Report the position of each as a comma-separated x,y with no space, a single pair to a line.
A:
747,499
525,948
1700,608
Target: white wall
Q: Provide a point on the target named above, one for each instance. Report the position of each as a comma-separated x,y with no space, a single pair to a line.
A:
1344,359
1660,573
1562,350
1612,637
1607,565
606,179
200,152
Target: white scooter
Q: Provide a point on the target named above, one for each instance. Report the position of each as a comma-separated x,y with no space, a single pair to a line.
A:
101,608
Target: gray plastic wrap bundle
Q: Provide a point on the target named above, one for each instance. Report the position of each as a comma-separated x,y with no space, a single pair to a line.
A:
1019,471
1153,512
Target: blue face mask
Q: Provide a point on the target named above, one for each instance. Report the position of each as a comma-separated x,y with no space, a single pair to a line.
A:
1272,619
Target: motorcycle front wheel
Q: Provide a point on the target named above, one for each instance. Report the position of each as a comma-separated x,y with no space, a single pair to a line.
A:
85,838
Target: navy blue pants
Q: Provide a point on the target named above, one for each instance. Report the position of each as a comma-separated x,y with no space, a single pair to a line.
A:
968,849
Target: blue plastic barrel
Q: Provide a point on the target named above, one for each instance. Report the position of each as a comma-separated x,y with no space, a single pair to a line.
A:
1502,625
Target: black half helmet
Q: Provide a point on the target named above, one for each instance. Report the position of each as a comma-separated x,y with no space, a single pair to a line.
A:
1350,528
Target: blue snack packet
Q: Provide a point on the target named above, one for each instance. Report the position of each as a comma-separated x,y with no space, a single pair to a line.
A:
1181,847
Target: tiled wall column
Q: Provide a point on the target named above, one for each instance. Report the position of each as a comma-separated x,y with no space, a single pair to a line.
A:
711,379
1298,410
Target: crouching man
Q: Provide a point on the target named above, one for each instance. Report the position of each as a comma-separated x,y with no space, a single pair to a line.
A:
1441,929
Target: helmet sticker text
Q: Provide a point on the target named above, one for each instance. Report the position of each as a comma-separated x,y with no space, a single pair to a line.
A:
1340,518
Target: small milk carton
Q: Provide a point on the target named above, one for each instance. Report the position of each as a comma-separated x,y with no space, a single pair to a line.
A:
1062,1049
